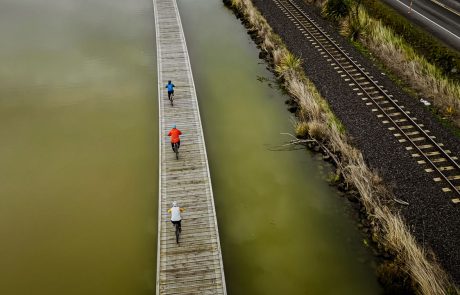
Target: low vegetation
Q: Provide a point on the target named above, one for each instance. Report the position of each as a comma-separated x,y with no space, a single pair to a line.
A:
448,60
315,122
425,69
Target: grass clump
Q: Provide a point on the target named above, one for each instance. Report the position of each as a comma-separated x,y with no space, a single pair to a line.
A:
288,63
301,129
316,121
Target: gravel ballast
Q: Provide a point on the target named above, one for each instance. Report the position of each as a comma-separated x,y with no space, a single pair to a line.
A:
432,218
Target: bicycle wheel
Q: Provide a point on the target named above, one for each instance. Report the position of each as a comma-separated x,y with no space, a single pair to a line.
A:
176,150
171,99
177,233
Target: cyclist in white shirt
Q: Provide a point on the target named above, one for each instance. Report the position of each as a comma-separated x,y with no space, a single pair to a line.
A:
175,214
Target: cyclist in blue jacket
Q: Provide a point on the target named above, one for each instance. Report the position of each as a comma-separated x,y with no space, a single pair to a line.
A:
170,87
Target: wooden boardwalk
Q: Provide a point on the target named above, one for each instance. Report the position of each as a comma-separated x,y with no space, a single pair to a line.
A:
195,266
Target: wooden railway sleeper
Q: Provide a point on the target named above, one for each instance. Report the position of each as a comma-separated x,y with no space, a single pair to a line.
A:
438,146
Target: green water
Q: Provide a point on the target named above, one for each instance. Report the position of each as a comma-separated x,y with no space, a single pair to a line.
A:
78,158
78,152
283,229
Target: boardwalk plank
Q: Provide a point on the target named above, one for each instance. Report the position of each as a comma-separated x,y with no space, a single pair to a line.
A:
195,266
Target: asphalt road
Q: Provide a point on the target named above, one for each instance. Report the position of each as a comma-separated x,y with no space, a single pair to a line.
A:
439,17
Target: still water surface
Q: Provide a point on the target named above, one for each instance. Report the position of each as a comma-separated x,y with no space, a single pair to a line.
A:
78,156
283,229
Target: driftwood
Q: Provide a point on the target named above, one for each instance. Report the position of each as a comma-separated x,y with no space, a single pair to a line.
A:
320,144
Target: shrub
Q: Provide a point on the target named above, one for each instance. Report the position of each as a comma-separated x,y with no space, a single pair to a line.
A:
393,278
355,26
337,9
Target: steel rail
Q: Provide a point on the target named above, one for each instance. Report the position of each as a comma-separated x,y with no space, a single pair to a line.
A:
374,84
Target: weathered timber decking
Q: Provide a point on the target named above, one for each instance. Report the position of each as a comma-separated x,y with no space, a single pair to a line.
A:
195,266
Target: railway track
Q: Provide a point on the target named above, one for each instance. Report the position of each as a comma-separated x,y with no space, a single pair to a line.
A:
429,154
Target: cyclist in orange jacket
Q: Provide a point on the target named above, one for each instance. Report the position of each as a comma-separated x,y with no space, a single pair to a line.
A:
174,133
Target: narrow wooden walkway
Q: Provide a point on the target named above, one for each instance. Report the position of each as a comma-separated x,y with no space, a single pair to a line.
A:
195,266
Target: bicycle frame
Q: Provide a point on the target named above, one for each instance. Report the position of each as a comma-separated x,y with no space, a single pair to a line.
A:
176,149
177,226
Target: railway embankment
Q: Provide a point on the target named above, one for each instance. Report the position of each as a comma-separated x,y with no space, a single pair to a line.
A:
415,60
419,234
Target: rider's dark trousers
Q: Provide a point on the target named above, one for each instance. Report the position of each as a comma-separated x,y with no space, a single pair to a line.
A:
177,222
172,145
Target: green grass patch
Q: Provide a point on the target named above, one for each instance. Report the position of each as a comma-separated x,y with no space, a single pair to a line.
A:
448,60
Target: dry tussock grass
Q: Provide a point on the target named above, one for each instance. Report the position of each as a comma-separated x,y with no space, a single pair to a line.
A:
316,119
288,65
301,129
317,130
268,44
277,53
310,110
395,235
429,277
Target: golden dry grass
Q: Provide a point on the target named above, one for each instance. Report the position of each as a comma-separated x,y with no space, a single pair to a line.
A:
288,65
301,129
316,119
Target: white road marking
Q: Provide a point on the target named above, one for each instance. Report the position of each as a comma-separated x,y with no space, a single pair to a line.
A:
430,20
446,7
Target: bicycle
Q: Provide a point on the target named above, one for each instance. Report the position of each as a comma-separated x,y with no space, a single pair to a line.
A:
176,149
178,230
171,98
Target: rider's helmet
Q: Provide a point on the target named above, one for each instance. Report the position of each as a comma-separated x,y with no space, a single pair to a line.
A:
174,204
169,81
174,126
